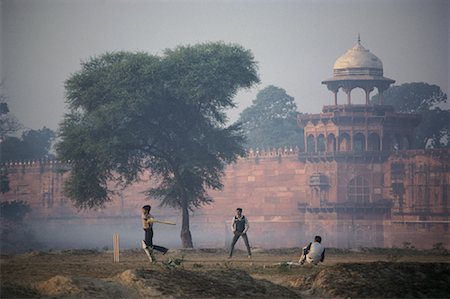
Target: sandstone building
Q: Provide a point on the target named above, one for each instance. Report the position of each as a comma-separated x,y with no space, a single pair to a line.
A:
357,184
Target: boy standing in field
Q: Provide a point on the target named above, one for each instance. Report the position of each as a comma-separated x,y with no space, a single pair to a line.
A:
314,252
240,226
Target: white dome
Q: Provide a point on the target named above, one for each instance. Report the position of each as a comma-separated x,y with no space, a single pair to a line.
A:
358,58
358,68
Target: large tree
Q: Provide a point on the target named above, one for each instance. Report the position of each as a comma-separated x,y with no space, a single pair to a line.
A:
271,120
426,100
132,112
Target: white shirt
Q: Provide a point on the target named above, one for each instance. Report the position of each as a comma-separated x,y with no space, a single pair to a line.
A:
315,253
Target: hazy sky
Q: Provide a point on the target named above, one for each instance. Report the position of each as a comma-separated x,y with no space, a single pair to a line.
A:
295,42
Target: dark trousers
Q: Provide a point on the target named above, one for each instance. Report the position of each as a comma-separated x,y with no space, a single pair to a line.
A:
236,238
149,241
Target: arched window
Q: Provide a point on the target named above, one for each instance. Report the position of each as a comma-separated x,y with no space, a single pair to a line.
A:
358,96
358,190
331,143
344,142
373,143
321,143
359,142
310,145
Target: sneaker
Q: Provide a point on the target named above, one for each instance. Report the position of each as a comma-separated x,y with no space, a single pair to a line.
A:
250,256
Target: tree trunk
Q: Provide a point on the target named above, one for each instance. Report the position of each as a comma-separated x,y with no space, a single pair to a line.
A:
186,238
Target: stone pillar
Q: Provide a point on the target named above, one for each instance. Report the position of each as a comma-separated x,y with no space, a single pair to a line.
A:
381,90
368,90
348,91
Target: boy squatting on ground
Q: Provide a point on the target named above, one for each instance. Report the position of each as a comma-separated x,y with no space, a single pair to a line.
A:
314,252
240,226
148,228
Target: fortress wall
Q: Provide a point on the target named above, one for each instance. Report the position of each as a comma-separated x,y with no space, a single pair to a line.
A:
270,188
425,177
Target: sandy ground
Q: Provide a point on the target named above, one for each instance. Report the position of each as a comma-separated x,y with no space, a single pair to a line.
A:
208,273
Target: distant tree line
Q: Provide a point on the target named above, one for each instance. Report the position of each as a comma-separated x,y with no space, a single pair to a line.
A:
33,144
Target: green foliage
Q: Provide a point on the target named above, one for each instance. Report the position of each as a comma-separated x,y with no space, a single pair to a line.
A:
172,263
14,211
38,143
283,267
4,182
271,121
426,100
434,130
16,236
440,248
408,245
4,108
8,123
34,144
131,112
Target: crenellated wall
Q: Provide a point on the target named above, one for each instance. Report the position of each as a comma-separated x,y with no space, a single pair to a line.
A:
287,199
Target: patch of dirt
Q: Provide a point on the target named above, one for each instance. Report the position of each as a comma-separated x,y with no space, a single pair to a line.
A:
208,273
378,280
161,283
181,283
66,287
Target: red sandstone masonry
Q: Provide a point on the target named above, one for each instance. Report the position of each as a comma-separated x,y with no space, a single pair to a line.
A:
271,186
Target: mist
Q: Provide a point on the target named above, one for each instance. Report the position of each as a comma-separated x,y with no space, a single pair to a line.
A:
295,43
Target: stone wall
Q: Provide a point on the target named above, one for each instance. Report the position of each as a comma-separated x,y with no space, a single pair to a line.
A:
286,207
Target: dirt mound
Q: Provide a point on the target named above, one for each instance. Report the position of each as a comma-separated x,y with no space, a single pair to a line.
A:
181,283
66,287
379,280
57,286
164,283
209,274
136,281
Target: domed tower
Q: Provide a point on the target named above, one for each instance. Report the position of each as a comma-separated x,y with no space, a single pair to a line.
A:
358,68
354,131
347,148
